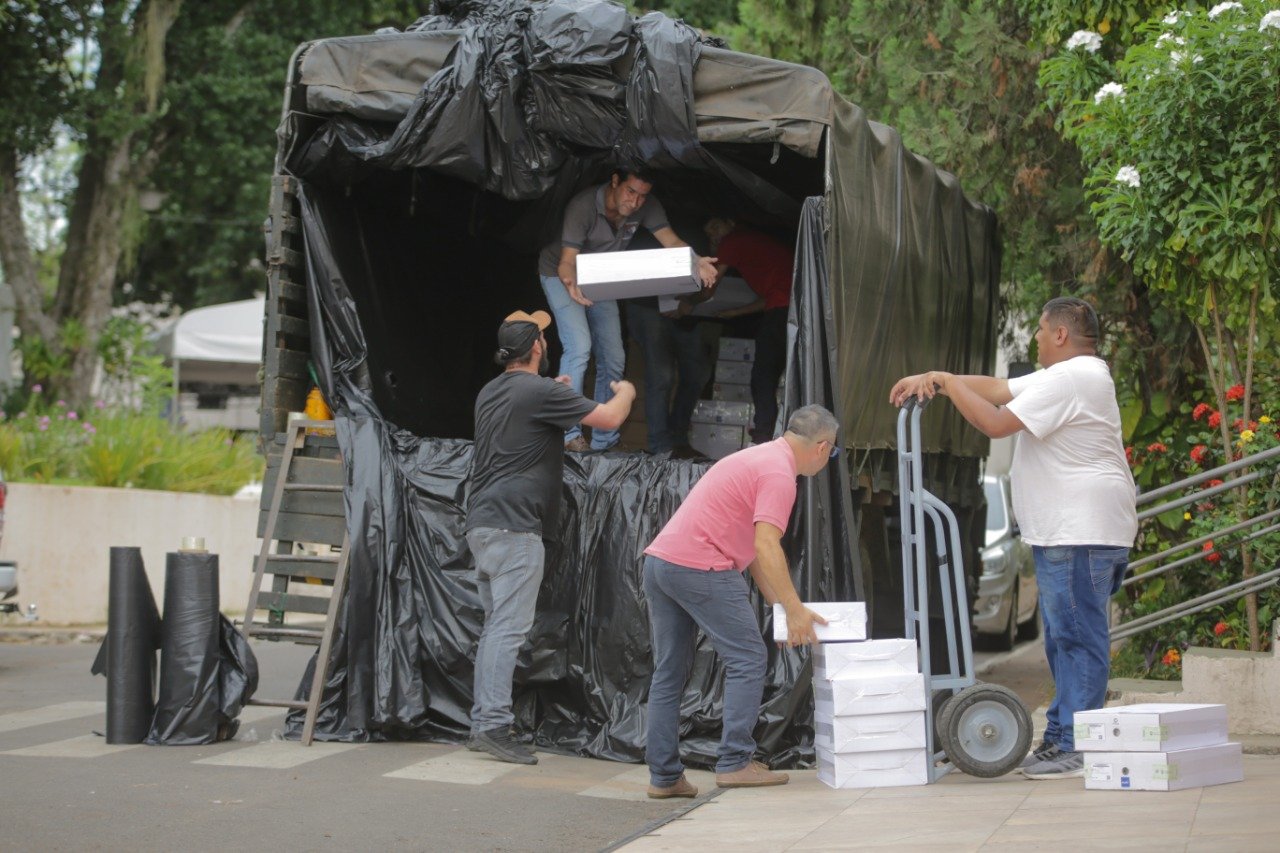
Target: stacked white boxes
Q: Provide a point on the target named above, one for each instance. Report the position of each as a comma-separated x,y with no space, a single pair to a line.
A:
869,729
719,428
1157,747
733,370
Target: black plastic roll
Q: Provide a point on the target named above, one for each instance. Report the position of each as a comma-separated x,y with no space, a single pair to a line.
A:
188,707
128,654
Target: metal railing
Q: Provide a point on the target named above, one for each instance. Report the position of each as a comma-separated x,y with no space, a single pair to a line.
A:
1262,522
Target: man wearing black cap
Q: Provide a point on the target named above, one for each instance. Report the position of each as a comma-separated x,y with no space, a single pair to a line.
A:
514,502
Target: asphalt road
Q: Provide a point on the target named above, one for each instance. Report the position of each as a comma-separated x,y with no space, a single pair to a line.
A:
63,787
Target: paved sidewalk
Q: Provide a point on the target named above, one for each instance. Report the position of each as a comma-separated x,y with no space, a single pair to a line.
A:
965,813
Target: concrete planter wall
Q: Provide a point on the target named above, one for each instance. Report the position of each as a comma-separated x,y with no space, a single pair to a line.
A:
60,537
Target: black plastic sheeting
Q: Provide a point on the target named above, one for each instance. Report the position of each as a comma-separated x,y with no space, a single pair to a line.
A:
402,660
128,654
534,89
207,670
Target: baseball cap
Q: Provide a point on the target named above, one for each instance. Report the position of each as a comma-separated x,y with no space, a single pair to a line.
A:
518,332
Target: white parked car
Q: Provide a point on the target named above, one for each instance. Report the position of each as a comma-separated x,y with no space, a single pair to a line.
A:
1007,607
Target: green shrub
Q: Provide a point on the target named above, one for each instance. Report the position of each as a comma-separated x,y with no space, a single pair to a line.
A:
47,442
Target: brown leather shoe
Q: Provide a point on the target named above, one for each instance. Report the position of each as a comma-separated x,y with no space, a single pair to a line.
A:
577,445
754,775
682,787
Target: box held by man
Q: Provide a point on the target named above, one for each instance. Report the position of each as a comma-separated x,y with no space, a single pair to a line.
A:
631,274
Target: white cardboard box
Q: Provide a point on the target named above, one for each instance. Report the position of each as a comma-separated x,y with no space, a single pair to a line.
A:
721,412
869,732
734,372
731,292
732,392
716,440
879,694
873,657
737,349
1163,771
846,620
1152,727
644,272
883,769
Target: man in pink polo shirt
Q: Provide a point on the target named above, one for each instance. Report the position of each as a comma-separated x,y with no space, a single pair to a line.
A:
733,519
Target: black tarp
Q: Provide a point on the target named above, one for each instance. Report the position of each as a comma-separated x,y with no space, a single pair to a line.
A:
402,665
128,654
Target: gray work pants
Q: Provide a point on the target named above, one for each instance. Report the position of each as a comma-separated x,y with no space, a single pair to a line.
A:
508,574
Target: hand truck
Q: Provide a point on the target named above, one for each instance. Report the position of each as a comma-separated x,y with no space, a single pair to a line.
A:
982,729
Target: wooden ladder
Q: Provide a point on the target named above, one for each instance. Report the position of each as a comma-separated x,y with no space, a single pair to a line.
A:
306,505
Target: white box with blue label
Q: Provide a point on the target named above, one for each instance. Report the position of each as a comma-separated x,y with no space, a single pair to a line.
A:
1150,727
1218,764
737,349
721,412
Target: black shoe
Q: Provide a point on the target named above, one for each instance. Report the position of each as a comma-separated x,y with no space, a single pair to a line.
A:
499,743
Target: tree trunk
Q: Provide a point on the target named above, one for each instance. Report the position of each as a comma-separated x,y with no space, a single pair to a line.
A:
16,258
87,278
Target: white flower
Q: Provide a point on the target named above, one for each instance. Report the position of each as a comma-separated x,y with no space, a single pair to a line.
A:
1110,90
1178,40
1271,21
1172,18
1128,176
1087,39
1223,7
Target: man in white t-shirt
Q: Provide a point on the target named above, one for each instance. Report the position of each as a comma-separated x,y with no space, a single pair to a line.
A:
1073,495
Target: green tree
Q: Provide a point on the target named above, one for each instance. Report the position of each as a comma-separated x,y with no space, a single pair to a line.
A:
1180,138
152,94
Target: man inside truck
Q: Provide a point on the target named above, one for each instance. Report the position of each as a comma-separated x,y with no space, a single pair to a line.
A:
767,265
517,468
600,219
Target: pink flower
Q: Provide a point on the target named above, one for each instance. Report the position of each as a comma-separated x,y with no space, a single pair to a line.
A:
37,388
71,416
90,428
99,405
62,404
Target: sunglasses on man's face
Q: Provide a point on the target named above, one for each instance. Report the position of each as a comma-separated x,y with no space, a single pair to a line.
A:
835,448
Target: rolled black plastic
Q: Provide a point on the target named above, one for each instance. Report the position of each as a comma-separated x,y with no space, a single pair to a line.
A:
128,654
188,705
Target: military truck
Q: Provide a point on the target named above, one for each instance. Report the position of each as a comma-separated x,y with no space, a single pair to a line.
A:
419,173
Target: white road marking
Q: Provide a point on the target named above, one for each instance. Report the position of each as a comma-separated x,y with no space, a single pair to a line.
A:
277,755
85,746
50,714
462,767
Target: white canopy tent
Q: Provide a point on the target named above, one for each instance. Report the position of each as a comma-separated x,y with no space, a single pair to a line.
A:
220,344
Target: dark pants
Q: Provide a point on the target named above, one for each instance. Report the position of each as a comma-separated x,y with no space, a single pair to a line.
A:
668,346
766,371
682,600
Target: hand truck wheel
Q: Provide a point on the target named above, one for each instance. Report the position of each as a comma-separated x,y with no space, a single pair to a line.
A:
985,730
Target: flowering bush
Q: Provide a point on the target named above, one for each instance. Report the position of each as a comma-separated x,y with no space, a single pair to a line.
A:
1159,462
48,442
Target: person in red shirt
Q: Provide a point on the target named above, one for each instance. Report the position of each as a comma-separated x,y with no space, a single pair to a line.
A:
766,264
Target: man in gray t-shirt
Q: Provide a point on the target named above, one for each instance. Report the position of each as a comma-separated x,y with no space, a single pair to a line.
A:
600,219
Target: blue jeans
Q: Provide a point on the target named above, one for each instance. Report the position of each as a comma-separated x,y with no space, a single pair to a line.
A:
682,600
508,574
582,331
1076,584
668,346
